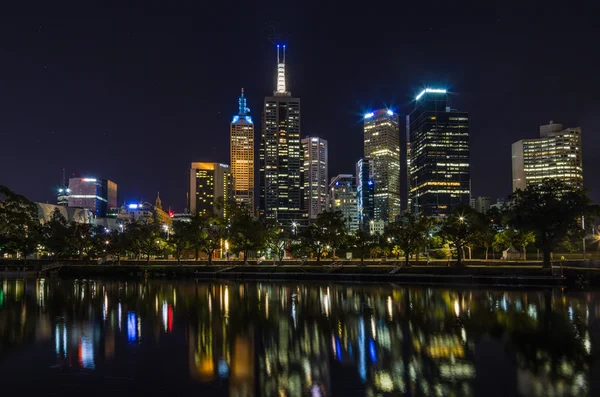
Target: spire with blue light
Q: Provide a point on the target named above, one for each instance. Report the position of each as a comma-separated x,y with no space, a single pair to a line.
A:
242,110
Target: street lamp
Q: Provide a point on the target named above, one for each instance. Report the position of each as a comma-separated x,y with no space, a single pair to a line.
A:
166,229
294,226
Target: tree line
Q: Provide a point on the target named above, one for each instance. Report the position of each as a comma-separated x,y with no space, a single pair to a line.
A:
547,216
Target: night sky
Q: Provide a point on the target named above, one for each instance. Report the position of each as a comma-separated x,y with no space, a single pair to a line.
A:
135,93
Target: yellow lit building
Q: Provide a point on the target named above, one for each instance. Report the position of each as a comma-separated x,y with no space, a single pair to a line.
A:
209,182
557,154
242,156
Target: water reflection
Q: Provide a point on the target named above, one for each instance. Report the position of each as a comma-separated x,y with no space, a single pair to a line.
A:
289,339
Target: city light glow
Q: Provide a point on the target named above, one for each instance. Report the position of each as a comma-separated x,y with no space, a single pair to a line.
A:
389,112
89,180
369,115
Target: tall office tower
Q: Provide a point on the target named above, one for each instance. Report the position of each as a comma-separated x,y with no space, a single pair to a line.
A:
438,142
365,192
242,156
97,195
557,154
481,204
315,175
382,144
210,184
342,197
281,160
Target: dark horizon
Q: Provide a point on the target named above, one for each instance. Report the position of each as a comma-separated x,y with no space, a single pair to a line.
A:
135,94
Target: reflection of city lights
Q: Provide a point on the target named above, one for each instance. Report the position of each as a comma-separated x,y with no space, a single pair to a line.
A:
86,353
570,313
315,391
170,318
131,327
64,340
339,349
457,371
372,351
223,368
373,329
587,343
456,308
384,382
307,371
226,301
105,307
463,334
362,357
389,306
209,303
267,306
532,311
120,315
57,340
164,315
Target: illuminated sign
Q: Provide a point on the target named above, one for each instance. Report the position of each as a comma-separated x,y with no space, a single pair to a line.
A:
89,180
369,115
431,91
133,206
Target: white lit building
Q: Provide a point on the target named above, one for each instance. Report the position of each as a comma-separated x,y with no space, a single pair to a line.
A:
342,197
315,175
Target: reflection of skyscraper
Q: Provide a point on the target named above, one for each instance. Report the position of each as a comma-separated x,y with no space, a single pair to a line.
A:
280,154
382,144
315,175
242,155
438,143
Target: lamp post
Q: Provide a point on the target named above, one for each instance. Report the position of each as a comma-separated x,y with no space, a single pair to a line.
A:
294,228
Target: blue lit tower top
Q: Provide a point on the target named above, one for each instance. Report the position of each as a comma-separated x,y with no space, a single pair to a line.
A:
243,111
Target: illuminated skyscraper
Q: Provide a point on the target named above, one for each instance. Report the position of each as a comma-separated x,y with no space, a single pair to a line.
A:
281,154
97,195
556,154
242,155
315,175
382,144
365,191
208,183
342,197
439,176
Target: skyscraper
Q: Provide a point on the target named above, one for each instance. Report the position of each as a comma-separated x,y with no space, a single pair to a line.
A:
365,192
281,154
557,154
209,182
242,155
342,197
315,175
97,195
439,176
382,144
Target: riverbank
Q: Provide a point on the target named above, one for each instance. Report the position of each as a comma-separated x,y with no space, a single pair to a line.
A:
473,273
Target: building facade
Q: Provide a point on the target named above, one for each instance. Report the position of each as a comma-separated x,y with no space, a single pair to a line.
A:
439,176
342,197
556,154
210,185
382,144
146,213
365,192
315,176
482,204
281,161
242,156
97,195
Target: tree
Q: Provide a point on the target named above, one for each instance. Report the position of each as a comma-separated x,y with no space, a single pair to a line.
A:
328,230
80,238
118,244
552,211
20,229
182,238
516,238
364,242
460,229
246,234
196,233
277,240
55,235
409,234
215,231
145,238
312,239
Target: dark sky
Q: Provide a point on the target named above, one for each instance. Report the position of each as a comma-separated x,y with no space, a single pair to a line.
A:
135,93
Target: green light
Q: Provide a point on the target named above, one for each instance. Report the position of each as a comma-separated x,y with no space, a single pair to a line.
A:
1,298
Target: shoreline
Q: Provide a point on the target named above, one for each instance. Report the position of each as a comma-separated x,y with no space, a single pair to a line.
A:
473,274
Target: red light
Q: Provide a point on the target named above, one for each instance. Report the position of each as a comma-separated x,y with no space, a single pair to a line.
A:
170,318
171,214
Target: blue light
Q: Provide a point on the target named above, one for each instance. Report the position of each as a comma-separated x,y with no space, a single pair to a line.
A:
131,327
372,351
430,90
133,206
277,45
223,368
337,183
390,112
284,46
249,120
369,115
338,348
370,183
235,119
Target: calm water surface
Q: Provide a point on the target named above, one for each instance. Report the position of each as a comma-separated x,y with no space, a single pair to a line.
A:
184,338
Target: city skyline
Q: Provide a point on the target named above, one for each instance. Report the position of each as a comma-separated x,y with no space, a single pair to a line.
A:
122,101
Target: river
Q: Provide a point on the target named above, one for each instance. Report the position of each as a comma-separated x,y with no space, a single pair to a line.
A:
195,338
